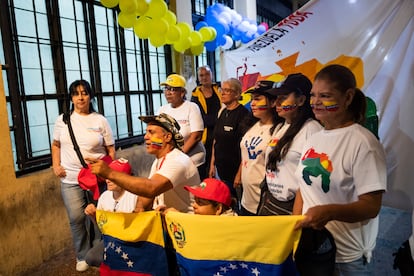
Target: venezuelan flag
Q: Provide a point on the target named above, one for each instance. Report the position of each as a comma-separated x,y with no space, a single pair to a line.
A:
133,244
226,245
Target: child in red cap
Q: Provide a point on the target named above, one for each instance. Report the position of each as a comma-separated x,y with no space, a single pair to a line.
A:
114,199
212,197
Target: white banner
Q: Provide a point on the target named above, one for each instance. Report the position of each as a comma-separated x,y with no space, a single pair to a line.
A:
375,39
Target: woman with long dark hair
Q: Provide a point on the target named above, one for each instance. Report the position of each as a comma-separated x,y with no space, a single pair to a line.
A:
283,151
94,137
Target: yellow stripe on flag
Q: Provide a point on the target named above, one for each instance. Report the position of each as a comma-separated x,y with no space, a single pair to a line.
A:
268,239
132,227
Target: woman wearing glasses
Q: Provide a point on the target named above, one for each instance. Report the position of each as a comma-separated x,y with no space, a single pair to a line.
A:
187,115
230,127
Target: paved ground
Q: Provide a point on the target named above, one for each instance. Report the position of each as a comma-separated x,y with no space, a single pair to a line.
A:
62,264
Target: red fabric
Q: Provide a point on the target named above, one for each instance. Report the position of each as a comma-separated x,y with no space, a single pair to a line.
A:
212,189
88,181
105,270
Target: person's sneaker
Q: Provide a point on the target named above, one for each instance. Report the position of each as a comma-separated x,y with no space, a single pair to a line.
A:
81,266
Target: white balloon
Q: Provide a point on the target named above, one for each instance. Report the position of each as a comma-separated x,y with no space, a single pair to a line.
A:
229,42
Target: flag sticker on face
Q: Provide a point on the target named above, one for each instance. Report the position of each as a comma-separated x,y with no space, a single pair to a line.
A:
288,105
330,105
156,143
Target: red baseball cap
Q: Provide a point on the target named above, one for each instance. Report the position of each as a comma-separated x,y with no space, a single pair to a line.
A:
121,165
212,189
88,181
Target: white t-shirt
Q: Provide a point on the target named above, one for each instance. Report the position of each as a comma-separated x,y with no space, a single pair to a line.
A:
253,146
92,133
125,204
188,116
180,170
283,184
336,167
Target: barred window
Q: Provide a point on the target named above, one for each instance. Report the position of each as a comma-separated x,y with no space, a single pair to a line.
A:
46,45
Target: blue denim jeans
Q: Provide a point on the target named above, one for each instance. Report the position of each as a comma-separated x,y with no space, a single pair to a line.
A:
84,232
358,267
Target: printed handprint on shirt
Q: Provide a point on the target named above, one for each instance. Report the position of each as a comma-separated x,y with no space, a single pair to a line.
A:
251,148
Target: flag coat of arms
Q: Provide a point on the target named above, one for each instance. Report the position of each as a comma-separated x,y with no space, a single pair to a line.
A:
233,245
133,244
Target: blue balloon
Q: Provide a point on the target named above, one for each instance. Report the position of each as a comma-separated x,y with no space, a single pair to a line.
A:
261,29
211,45
200,24
221,40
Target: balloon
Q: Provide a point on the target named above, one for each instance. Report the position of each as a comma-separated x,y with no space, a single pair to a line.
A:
196,38
141,27
142,7
157,9
211,46
261,29
200,24
160,26
213,33
197,49
221,40
185,28
157,40
226,17
229,42
128,6
170,17
206,33
126,20
110,3
174,33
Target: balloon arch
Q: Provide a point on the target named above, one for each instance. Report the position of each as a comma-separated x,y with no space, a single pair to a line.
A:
152,20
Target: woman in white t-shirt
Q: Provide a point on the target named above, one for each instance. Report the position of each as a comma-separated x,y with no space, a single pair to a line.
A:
188,116
342,173
253,146
284,150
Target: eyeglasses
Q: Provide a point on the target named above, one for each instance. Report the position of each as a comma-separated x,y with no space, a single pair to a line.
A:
226,90
171,89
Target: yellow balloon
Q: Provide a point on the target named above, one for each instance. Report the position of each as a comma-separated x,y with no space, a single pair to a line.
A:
213,33
197,49
174,33
109,3
128,6
126,20
141,27
179,47
157,40
157,9
185,28
160,26
206,34
142,7
170,17
196,38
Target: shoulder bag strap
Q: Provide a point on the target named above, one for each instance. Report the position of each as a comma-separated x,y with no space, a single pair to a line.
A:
66,119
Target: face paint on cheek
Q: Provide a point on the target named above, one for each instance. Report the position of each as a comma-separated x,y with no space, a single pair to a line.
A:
156,143
261,104
288,105
312,103
330,105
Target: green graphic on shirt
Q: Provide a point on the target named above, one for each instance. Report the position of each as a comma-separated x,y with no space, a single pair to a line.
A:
317,164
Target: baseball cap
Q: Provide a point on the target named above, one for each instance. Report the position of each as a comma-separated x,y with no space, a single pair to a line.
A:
292,83
212,189
89,181
262,87
168,123
174,80
121,165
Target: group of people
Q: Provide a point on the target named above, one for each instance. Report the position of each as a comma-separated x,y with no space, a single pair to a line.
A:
301,149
